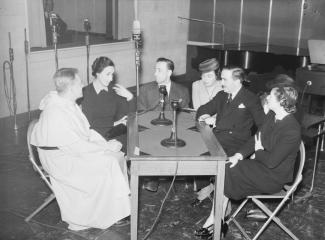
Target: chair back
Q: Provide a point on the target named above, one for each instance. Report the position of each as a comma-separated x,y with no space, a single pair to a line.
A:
32,156
298,176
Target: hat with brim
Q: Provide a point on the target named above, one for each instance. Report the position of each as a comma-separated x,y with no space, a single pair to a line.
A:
209,65
281,80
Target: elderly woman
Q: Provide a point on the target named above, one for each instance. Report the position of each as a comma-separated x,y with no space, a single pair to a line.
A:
106,104
87,172
275,147
205,89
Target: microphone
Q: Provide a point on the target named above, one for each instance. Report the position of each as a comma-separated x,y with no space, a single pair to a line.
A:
308,84
136,31
87,26
163,93
53,19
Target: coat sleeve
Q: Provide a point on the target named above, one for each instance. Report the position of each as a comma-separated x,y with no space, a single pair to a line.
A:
141,101
284,146
211,108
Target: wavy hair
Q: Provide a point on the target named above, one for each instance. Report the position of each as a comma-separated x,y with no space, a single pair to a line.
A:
287,96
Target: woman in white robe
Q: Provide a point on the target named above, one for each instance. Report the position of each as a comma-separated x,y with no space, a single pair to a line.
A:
87,173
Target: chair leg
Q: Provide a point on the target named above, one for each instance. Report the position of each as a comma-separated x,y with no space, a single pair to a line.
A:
232,217
315,160
45,203
272,217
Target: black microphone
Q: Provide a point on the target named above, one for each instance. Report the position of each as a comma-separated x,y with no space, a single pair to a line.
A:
87,28
163,93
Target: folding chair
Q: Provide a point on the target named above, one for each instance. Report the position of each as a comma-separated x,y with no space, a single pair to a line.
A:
314,128
39,169
284,195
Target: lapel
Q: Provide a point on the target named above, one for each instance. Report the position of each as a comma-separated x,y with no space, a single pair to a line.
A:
233,105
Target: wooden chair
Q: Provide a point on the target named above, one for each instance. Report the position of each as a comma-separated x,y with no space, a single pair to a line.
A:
40,170
284,195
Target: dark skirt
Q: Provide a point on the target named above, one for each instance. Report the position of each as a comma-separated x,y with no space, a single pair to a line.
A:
249,177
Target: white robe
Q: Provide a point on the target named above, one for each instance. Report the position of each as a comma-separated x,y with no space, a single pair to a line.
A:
90,186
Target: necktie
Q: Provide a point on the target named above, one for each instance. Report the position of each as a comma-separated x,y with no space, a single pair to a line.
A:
229,99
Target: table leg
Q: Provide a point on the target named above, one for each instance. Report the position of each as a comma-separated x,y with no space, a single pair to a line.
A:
134,206
218,199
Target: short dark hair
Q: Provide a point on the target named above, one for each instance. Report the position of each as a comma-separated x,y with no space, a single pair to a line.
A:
287,96
169,63
62,78
237,72
99,64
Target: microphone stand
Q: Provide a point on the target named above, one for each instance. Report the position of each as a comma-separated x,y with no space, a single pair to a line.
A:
161,120
87,28
137,44
173,141
11,92
53,23
27,75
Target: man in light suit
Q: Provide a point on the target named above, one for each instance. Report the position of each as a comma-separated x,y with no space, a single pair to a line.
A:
149,93
149,98
238,111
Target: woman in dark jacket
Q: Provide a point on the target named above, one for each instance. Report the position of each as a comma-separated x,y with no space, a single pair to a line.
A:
272,153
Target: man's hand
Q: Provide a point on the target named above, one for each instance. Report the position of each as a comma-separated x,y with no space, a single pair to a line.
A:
123,92
114,145
234,159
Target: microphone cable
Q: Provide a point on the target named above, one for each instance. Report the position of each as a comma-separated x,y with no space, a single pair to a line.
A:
162,204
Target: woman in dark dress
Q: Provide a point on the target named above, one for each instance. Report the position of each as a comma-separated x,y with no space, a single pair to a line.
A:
272,153
105,103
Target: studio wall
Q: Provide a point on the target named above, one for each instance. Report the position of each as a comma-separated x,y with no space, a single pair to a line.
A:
164,35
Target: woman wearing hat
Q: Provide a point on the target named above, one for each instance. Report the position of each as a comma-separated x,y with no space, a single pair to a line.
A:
205,89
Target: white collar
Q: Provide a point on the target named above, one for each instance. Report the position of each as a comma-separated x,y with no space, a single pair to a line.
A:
233,94
99,87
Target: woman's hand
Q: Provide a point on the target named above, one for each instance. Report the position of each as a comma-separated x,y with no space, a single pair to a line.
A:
258,142
123,92
234,159
114,145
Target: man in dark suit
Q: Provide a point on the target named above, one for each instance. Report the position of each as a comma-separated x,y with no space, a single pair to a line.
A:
237,109
149,96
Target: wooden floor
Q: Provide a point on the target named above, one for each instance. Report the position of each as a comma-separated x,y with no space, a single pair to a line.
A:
21,191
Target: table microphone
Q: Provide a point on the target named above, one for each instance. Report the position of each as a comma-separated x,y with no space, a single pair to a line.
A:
161,120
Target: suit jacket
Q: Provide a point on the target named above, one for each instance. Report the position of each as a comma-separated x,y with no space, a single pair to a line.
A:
149,96
236,119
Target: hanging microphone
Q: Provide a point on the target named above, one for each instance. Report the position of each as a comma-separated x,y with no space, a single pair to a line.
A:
87,26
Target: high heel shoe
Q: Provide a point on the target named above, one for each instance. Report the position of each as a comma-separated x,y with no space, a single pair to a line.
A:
207,233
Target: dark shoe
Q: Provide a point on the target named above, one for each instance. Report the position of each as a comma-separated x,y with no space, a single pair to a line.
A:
123,222
151,186
204,232
207,233
196,202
